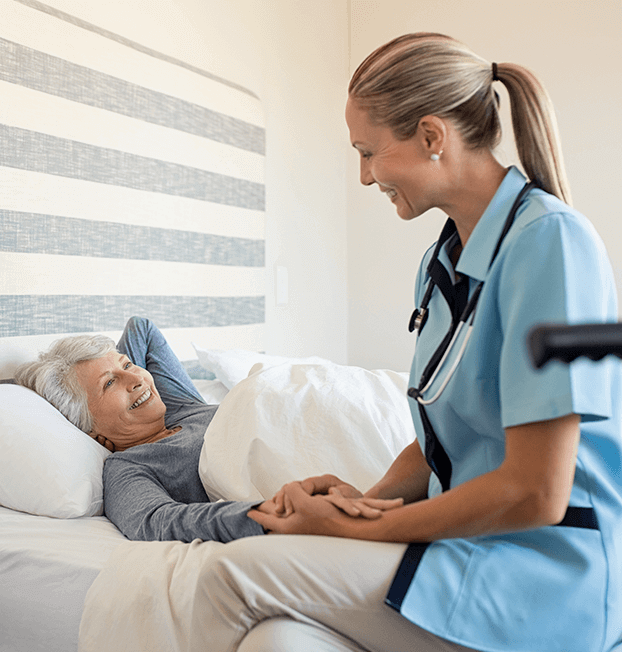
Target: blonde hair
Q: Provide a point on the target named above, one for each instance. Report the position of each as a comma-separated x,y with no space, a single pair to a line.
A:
53,375
432,74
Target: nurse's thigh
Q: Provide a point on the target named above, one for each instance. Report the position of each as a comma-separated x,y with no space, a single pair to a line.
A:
336,583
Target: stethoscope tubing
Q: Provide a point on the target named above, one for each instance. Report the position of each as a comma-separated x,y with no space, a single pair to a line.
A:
453,368
468,315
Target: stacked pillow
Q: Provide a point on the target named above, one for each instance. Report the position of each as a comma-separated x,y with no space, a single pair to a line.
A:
233,366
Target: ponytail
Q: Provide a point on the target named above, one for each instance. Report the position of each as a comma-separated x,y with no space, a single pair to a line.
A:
535,130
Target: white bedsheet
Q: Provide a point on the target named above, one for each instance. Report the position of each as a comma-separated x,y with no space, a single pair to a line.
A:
46,568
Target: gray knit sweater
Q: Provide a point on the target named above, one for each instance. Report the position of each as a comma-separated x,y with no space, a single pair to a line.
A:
153,492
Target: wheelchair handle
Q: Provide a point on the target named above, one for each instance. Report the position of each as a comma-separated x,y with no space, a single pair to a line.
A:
566,343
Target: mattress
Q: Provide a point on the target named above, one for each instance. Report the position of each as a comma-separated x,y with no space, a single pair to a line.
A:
47,566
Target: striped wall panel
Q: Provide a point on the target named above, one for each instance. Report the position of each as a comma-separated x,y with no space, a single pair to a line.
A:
130,183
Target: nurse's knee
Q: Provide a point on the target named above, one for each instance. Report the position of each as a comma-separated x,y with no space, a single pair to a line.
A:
284,634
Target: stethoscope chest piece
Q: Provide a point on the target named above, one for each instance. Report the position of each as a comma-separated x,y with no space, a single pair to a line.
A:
417,320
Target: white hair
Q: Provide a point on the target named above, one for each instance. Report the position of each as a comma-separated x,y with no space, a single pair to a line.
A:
53,375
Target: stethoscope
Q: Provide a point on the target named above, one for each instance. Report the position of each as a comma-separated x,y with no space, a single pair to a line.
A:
419,317
436,456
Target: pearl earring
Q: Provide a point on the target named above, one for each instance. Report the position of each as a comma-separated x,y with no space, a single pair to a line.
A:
435,157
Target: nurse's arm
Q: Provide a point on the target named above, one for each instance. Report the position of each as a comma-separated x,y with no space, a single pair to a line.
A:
530,489
407,477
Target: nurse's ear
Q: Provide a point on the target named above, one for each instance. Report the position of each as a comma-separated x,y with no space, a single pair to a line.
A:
432,133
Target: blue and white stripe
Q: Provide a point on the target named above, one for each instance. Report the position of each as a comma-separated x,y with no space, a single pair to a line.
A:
130,183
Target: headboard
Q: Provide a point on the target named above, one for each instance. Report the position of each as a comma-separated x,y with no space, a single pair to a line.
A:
131,183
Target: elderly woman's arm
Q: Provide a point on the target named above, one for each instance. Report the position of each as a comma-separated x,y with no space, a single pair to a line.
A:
137,503
530,489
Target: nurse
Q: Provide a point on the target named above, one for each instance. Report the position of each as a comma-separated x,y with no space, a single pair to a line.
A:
507,532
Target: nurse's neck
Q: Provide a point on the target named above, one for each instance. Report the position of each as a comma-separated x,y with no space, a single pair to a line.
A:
472,191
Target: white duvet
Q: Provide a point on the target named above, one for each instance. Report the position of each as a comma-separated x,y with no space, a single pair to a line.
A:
282,423
292,421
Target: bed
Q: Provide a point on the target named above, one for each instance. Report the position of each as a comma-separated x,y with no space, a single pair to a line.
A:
277,422
132,184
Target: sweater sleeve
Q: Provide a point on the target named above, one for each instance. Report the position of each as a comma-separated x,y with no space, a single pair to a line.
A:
137,503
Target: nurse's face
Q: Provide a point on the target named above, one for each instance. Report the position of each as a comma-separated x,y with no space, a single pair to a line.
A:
402,169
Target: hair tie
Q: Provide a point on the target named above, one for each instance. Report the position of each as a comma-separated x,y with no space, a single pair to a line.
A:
495,76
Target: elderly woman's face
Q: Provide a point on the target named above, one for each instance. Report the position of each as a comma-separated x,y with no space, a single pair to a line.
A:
123,400
401,168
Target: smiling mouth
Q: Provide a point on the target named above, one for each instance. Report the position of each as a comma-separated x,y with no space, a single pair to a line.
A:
391,194
141,399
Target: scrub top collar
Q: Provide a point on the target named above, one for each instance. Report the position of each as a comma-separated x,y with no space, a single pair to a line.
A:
475,257
444,256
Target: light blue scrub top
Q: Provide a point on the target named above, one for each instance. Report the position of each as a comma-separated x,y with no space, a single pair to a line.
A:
553,589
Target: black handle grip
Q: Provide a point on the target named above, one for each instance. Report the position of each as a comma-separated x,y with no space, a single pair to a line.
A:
566,343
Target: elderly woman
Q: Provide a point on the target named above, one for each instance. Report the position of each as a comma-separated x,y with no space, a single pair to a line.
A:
509,538
137,400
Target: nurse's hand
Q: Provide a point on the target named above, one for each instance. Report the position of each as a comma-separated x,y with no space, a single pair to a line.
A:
320,484
342,495
364,507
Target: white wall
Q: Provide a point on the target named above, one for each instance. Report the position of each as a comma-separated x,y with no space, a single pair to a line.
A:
305,72
293,54
351,260
575,47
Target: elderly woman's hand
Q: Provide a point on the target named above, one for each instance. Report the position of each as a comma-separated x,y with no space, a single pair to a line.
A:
318,513
308,514
106,443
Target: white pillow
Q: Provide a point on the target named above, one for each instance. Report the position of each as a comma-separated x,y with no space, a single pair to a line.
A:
230,367
292,421
48,467
212,391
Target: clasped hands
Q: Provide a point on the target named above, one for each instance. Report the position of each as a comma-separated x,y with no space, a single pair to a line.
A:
313,505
